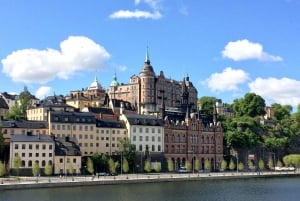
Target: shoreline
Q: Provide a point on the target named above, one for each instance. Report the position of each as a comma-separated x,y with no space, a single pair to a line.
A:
11,183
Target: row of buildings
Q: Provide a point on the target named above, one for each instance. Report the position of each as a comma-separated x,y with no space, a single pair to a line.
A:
158,115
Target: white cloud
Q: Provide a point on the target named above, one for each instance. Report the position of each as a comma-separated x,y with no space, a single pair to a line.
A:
153,14
135,14
244,49
228,80
43,92
284,91
41,66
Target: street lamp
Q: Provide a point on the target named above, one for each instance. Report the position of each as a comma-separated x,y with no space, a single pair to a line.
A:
237,163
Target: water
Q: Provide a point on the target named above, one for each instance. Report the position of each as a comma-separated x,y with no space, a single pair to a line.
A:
262,189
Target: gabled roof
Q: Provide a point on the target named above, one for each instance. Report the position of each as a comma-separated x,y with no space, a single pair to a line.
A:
9,96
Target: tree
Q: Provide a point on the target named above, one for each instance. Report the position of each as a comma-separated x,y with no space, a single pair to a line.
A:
281,112
206,104
157,167
48,170
261,165
250,165
2,170
36,170
292,160
279,164
70,168
197,164
17,163
90,165
241,166
125,166
231,165
14,112
224,164
270,163
128,151
147,167
170,165
188,165
251,105
111,166
207,165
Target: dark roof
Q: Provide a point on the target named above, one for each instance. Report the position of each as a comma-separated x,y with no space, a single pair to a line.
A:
72,117
101,110
31,138
146,120
66,146
8,96
110,123
126,104
3,104
24,124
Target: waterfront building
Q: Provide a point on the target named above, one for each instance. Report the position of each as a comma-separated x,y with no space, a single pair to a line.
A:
67,159
92,135
9,98
147,91
31,148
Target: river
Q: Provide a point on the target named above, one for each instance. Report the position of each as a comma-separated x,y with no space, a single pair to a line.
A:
254,189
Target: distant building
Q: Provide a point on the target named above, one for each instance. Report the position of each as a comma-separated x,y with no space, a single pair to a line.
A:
9,98
31,148
3,108
147,91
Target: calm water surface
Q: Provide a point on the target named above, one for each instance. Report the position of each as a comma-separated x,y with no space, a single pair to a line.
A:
270,189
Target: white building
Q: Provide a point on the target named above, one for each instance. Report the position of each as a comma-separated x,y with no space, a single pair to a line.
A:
31,149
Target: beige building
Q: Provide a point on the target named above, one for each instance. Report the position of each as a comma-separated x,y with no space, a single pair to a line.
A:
92,135
31,149
93,96
146,91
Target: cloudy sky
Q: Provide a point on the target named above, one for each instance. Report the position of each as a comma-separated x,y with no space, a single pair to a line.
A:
227,48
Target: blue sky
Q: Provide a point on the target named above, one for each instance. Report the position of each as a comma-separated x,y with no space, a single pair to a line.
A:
227,47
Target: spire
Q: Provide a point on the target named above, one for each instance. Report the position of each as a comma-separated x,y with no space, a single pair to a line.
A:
147,55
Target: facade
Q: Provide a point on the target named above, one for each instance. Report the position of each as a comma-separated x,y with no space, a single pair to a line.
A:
146,132
39,112
31,148
92,135
9,98
190,139
67,159
147,91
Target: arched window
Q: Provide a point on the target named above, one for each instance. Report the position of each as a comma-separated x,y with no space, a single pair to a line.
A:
23,163
153,148
43,163
159,148
29,163
50,162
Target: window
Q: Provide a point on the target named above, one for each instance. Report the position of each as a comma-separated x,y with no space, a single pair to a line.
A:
43,146
44,154
159,148
86,128
147,130
29,163
30,146
30,154
23,154
80,136
16,146
141,147
141,130
153,148
50,154
147,138
141,138
91,136
134,129
158,138
37,147
158,130
50,146
134,138
74,160
61,160
58,127
153,130
23,146
36,154
153,138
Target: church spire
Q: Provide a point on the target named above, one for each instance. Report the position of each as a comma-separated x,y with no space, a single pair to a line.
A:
147,56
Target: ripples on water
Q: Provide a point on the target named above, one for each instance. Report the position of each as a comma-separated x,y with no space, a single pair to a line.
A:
271,189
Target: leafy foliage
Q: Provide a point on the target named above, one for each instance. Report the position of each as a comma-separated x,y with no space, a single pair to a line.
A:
36,168
170,165
2,169
147,166
125,165
90,165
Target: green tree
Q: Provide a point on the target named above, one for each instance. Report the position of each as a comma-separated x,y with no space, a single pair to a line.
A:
231,165
188,165
128,151
250,165
281,112
147,167
90,165
17,163
170,165
271,163
125,166
111,166
292,160
224,164
251,105
206,104
197,164
36,170
157,167
279,164
2,169
241,166
48,170
14,112
207,165
261,165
